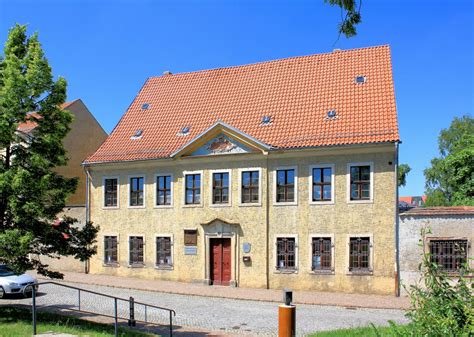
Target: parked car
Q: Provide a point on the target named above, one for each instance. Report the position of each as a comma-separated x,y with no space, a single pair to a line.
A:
10,283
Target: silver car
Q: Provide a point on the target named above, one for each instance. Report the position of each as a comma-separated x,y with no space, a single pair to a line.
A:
15,284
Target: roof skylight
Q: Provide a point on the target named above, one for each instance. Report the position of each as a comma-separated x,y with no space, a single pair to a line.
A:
360,79
184,131
138,134
145,106
266,120
331,114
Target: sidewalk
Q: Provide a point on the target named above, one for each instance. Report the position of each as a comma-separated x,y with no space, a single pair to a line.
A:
268,295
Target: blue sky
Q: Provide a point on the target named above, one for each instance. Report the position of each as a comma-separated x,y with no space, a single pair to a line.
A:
107,49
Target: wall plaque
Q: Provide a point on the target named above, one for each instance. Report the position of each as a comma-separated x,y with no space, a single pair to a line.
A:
190,250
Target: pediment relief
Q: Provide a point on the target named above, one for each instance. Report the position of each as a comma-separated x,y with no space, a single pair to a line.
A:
219,145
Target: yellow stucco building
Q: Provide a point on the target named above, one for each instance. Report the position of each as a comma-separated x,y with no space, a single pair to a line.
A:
271,175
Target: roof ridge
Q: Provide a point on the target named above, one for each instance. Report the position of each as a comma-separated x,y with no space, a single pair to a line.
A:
267,62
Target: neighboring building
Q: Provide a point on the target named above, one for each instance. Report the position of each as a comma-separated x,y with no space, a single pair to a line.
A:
84,139
270,175
449,240
413,201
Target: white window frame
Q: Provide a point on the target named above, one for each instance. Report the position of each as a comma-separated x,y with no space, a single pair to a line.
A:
274,187
185,173
371,255
129,177
155,184
333,253
114,265
128,251
275,254
168,235
211,182
333,178
348,181
250,204
103,192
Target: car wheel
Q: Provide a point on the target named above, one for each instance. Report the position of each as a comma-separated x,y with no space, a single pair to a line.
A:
2,292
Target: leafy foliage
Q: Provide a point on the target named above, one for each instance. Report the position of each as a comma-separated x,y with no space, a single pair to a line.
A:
403,170
350,15
450,179
31,192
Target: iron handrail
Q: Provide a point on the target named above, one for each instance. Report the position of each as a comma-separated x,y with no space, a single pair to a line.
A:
115,298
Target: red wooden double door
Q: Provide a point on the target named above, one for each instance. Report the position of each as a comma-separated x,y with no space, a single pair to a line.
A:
220,261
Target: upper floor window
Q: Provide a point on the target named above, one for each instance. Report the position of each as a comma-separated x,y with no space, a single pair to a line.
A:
321,248
322,184
136,245
250,187
163,190
163,252
360,182
286,253
137,191
220,188
193,189
285,185
110,192
359,254
110,250
449,255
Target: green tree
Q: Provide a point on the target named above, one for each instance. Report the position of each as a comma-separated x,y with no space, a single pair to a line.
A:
450,179
350,15
403,170
31,192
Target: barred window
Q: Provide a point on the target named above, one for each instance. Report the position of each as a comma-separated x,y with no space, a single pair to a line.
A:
322,184
163,190
136,191
163,252
220,188
359,254
449,255
321,254
136,250
110,192
193,189
110,250
360,182
286,254
250,185
285,185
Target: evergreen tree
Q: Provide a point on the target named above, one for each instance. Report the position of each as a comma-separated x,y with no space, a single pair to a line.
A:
31,192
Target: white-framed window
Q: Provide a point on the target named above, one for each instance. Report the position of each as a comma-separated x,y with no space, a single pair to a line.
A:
285,185
111,192
136,250
111,249
221,188
163,190
321,253
360,182
164,251
192,186
250,186
136,191
360,254
321,184
286,253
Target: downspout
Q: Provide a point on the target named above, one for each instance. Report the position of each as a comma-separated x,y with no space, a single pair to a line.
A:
267,222
88,218
397,227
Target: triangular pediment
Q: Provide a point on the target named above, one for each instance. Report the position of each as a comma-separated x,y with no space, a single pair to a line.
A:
221,139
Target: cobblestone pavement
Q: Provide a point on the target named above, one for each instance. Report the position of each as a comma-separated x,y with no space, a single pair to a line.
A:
238,317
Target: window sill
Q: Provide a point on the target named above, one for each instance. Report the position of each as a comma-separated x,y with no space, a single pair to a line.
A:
111,265
285,203
355,202
110,207
286,271
136,266
137,207
321,202
322,272
360,273
163,206
192,205
166,268
220,205
250,204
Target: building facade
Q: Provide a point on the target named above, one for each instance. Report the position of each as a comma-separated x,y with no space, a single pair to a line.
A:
255,176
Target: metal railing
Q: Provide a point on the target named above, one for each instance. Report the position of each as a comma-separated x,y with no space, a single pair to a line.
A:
131,304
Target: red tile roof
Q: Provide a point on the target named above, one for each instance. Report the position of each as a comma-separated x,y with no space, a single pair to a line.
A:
30,123
433,211
296,92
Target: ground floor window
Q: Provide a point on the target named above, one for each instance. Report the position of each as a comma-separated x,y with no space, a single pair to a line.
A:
321,256
449,255
359,254
163,252
110,250
286,253
136,245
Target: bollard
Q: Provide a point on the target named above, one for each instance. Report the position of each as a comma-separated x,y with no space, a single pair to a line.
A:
287,316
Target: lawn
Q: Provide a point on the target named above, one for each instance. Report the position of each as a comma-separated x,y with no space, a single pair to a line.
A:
17,322
355,332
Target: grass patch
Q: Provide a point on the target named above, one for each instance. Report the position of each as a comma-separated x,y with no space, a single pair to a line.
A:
16,321
356,332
